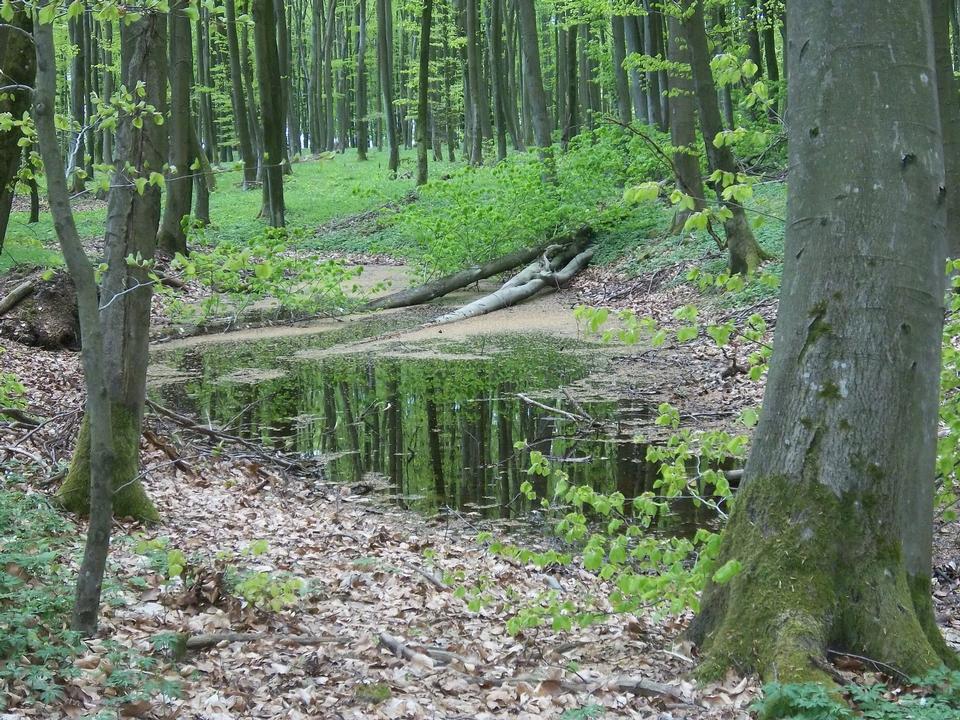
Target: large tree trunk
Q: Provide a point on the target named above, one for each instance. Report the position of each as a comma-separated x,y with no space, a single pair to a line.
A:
949,118
833,521
172,239
745,253
18,60
683,124
271,110
475,87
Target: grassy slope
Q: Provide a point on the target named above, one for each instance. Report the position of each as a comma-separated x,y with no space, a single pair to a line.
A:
320,191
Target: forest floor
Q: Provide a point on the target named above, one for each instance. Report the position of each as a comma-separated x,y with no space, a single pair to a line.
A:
352,607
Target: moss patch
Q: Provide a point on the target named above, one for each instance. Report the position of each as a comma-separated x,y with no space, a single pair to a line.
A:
129,498
819,572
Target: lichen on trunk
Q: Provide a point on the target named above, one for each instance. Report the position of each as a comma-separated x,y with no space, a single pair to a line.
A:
129,498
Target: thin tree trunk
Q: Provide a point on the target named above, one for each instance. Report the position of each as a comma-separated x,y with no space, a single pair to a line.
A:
385,64
363,138
683,124
533,76
171,239
271,108
86,607
18,60
634,37
621,82
745,253
240,114
423,90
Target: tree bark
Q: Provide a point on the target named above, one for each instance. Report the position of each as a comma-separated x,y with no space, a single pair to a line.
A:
238,98
172,239
621,83
745,253
947,92
363,135
533,82
271,106
442,286
18,60
385,66
833,521
423,92
683,124
634,37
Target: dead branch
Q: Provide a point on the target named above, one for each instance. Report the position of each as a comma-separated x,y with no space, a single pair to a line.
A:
198,642
507,296
543,406
20,292
20,416
398,648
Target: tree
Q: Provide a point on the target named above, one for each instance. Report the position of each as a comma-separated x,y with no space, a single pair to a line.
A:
115,320
385,64
423,93
172,239
363,136
832,524
745,253
18,61
238,98
683,123
271,110
533,75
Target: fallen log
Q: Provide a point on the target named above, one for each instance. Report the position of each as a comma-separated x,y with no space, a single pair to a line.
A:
445,285
507,296
13,297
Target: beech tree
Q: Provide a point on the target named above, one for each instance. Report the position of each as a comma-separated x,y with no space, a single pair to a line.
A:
832,525
18,64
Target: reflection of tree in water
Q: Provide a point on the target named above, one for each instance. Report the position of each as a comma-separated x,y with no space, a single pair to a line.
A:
441,431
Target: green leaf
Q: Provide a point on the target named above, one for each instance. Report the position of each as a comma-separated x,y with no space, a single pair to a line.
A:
728,572
48,13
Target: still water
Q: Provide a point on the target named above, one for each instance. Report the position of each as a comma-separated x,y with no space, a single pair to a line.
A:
451,428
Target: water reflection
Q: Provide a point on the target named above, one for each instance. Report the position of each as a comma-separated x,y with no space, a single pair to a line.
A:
436,432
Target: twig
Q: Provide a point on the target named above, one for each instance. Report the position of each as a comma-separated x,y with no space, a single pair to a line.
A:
568,415
26,453
20,416
433,580
398,648
197,642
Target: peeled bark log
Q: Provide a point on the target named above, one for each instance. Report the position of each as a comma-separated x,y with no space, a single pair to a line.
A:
507,296
445,285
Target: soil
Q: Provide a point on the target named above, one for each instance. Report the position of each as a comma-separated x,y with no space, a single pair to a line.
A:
47,318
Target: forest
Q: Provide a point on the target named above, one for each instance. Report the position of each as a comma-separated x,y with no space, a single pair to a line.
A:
480,359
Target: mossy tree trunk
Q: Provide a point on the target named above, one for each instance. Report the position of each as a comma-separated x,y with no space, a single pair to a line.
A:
131,230
833,523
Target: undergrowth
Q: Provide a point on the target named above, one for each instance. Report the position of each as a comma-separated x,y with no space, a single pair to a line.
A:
935,696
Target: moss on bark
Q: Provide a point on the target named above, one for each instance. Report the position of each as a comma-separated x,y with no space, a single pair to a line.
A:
129,499
819,572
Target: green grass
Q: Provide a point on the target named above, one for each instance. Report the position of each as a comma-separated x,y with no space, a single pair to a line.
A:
317,192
